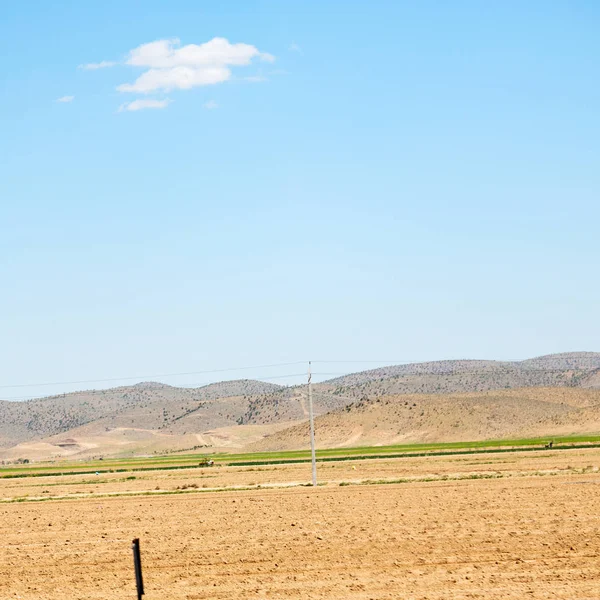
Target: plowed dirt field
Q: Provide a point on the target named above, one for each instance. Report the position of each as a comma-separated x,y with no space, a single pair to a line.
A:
523,525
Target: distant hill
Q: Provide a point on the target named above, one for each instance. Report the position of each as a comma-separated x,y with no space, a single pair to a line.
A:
407,418
580,369
156,416
585,361
450,376
146,405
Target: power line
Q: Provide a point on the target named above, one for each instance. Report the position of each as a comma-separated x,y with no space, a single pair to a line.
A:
189,387
113,379
448,373
405,362
383,363
258,378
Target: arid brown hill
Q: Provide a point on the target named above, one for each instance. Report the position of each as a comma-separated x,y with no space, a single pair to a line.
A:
580,369
407,418
146,406
172,411
574,369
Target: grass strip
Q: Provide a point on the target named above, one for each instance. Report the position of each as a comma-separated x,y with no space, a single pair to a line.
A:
410,455
301,456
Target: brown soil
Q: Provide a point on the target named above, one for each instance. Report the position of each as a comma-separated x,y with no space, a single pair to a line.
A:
534,533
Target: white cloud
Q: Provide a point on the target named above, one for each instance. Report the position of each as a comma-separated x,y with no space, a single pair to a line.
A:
266,57
210,105
143,104
65,99
164,54
172,66
181,78
95,66
293,47
255,78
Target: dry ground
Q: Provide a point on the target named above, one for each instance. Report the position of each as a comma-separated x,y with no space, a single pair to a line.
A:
473,416
533,531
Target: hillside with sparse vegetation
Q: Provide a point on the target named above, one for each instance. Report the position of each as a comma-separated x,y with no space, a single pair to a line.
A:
496,414
155,411
154,406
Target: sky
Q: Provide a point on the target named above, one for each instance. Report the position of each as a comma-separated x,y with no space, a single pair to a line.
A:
190,186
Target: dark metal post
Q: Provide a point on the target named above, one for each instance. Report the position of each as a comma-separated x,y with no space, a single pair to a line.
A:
137,563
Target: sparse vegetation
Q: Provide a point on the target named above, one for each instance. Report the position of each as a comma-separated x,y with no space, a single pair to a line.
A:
383,401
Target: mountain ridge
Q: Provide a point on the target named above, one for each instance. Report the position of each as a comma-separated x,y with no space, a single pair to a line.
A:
171,412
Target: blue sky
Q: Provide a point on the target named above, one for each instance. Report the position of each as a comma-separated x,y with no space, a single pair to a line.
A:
386,181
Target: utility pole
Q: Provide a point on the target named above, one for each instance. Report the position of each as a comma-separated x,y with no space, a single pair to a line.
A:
311,417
